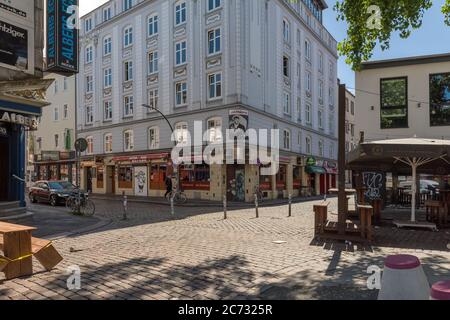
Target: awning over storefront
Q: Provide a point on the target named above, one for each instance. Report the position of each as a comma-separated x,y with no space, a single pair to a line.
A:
315,169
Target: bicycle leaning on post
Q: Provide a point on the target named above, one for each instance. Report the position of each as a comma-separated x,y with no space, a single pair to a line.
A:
179,197
79,203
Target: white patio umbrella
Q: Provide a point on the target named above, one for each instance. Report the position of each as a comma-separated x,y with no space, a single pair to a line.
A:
405,156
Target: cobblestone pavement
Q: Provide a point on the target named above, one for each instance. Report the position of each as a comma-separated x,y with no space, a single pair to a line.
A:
195,254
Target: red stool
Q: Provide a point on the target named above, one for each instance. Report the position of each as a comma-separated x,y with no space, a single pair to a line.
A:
440,291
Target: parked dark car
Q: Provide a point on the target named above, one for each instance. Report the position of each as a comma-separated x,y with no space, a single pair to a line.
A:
53,192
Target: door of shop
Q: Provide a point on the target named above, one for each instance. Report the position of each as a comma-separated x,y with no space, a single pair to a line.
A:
236,183
111,180
89,179
5,168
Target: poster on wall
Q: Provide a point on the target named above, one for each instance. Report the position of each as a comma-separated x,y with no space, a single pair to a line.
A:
238,119
141,181
375,185
13,46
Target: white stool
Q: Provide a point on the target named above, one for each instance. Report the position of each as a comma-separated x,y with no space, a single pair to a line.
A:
403,279
440,291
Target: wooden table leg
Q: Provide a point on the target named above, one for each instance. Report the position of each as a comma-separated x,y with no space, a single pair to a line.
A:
17,245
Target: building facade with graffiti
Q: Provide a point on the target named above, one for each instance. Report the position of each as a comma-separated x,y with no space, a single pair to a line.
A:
209,62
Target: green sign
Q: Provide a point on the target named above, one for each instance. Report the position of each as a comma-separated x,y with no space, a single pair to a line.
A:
311,161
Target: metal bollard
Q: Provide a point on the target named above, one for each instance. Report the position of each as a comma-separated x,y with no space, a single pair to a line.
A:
172,206
125,206
225,207
256,205
290,206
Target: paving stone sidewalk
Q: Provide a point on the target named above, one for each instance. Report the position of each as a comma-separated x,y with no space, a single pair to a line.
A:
198,255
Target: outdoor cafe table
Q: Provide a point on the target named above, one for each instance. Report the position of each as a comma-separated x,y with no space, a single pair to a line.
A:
17,247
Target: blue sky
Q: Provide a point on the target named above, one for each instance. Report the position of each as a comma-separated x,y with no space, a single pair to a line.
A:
433,37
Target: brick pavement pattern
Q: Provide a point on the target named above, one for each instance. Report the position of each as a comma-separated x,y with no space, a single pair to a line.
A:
198,255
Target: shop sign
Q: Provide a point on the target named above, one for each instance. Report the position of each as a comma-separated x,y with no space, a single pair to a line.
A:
23,120
50,155
140,158
311,161
13,46
62,36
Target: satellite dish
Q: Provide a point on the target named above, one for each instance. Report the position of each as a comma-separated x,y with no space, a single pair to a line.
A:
81,145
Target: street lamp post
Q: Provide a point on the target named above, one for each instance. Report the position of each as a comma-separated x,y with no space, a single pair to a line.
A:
171,129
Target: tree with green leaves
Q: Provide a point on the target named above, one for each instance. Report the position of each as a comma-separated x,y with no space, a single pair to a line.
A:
373,21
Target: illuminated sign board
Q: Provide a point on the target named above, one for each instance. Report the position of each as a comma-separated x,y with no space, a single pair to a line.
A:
62,36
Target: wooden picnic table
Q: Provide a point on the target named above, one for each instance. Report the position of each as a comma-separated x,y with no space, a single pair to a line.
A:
16,245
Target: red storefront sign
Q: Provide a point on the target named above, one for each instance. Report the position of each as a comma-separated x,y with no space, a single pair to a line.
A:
330,167
141,158
195,185
265,186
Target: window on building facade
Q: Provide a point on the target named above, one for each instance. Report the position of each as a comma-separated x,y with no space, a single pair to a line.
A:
108,143
308,146
320,118
128,70
308,114
88,25
180,53
89,54
181,93
65,111
286,139
308,81
56,140
440,99
394,103
128,140
107,45
320,62
214,41
65,84
331,96
215,130
331,123
321,148
331,152
307,50
182,133
56,114
286,31
89,84
153,26
214,4
180,13
153,62
90,145
128,106
153,138
286,64
215,85
347,105
352,108
89,114
107,14
331,70
153,97
299,38
128,37
55,86
127,4
320,91
125,177
108,112
107,80
287,103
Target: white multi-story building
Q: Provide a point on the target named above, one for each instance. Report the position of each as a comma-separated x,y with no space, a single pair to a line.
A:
51,146
272,62
350,134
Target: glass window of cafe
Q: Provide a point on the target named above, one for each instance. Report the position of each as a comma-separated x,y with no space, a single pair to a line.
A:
297,177
43,172
54,172
281,177
265,181
158,173
64,172
100,177
125,177
195,177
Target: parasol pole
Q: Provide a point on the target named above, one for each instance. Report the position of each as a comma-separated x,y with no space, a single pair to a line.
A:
413,189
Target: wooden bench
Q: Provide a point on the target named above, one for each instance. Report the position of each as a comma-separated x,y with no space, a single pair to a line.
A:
44,251
435,211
